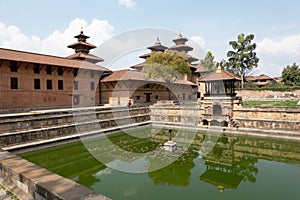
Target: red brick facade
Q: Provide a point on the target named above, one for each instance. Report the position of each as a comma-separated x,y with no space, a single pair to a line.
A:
45,87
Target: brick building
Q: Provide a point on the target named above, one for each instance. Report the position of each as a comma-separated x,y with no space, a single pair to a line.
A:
260,81
30,80
125,85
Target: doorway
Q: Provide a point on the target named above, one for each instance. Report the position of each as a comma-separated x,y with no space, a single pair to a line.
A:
217,109
148,97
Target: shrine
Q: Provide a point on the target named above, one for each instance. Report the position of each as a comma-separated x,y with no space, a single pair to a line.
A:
219,98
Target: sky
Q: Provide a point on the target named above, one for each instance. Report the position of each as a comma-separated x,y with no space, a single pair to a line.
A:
45,26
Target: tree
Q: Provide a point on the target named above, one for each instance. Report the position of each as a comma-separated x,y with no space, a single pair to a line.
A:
243,58
208,61
168,66
291,75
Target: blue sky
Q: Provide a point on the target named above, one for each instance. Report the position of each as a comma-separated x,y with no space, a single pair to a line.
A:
48,26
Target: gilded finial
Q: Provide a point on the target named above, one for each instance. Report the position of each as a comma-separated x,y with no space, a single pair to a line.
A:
180,34
219,69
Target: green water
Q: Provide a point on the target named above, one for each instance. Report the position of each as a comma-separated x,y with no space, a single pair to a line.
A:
235,168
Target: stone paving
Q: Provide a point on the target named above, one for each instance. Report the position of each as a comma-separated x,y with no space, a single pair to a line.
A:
3,194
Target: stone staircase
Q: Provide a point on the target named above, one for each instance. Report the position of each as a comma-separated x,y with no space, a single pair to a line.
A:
234,123
42,126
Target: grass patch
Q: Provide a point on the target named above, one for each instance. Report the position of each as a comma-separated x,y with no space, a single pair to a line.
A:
270,103
282,88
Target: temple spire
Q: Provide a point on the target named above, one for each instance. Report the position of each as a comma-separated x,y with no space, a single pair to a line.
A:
157,47
180,46
82,49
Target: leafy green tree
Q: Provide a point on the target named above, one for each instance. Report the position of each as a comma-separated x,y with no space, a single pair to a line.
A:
169,67
242,59
208,61
291,75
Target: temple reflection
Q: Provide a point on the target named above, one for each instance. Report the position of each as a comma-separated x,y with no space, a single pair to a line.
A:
226,169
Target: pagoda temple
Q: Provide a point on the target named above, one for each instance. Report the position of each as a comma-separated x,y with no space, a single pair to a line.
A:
82,49
180,46
156,48
219,98
222,165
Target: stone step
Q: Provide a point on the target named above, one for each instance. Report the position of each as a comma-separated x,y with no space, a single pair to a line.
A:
70,138
39,119
24,136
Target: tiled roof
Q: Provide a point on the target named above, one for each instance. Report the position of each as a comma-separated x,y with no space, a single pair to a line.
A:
181,47
142,64
191,58
145,55
83,56
82,43
125,75
260,77
139,65
193,66
22,56
219,75
200,69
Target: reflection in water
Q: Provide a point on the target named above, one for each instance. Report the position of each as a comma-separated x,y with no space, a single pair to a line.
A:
72,161
226,169
232,163
176,174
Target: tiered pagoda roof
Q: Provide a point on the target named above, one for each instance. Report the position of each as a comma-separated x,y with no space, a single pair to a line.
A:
157,48
82,49
180,46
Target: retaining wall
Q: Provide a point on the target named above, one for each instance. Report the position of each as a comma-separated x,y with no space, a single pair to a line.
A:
268,95
270,118
17,130
264,118
29,181
42,125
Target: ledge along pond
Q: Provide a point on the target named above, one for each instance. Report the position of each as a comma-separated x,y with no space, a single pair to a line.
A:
133,165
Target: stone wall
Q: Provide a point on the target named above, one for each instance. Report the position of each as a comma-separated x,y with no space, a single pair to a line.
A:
28,181
189,115
264,118
268,95
44,125
270,118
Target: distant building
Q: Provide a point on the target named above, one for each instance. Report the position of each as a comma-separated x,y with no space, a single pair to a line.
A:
278,79
260,81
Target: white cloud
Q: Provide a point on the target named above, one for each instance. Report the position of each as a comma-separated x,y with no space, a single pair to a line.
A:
276,54
199,40
127,3
56,43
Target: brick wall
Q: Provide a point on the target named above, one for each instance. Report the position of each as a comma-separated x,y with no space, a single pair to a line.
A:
26,96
